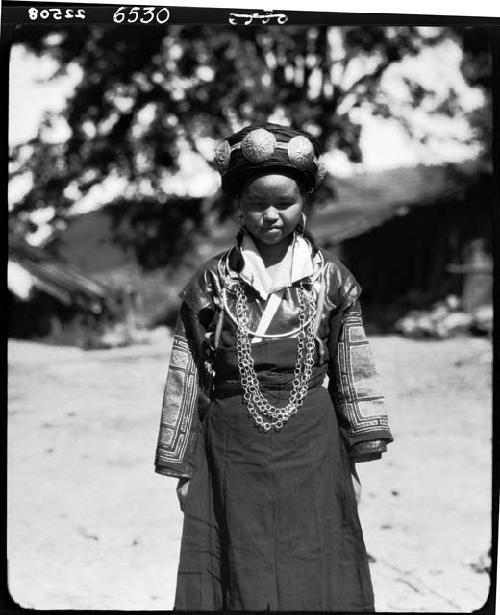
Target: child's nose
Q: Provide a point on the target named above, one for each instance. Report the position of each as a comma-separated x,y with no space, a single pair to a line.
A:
270,214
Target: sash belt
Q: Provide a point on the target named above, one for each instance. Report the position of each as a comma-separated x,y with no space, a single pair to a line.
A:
224,387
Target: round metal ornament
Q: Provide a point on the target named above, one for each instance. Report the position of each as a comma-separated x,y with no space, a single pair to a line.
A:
301,152
222,155
258,145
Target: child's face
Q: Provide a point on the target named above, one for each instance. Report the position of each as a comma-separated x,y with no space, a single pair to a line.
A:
270,207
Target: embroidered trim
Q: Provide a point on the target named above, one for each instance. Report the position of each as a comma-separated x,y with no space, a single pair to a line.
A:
357,381
179,403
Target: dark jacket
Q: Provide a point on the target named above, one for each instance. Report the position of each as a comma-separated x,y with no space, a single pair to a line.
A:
206,320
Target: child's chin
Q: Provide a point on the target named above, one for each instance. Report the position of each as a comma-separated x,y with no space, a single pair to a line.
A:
271,241
272,237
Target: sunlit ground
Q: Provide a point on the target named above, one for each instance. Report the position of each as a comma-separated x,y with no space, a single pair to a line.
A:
90,526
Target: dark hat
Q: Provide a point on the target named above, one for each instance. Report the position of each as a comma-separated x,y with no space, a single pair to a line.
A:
261,149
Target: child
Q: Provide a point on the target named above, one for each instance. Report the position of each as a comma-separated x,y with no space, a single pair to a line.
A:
263,452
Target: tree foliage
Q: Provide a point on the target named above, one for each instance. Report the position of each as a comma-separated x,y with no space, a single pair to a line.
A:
147,94
476,69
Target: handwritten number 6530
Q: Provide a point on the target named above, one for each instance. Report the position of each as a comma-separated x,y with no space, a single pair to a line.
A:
147,14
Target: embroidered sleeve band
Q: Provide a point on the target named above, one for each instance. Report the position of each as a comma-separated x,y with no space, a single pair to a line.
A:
355,387
178,427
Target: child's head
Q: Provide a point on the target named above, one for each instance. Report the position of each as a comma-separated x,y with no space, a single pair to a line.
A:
269,169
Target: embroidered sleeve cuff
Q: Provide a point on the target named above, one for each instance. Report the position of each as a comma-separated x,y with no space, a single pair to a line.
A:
368,450
169,472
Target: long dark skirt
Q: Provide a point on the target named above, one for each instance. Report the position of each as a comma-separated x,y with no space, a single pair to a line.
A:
271,519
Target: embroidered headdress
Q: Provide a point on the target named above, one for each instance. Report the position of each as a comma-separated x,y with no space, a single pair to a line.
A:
266,148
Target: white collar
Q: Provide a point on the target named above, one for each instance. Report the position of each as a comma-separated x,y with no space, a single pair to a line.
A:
296,265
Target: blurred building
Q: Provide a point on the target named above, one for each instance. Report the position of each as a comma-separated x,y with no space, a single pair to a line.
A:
51,298
413,236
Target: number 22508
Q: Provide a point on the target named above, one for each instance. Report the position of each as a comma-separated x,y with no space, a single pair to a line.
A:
56,13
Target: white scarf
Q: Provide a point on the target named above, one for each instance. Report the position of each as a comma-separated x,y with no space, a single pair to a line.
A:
296,265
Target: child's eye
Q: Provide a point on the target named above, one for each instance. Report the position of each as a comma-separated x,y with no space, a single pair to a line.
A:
261,205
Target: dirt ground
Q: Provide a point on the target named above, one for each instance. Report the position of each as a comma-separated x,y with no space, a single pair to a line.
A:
90,526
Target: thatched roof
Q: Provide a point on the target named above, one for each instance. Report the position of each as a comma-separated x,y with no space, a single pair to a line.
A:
363,202
63,282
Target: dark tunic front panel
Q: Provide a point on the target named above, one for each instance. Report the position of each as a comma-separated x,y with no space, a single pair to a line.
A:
271,519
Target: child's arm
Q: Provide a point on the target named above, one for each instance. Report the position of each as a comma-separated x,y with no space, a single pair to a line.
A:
355,388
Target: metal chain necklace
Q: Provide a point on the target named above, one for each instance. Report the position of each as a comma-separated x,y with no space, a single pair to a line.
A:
258,407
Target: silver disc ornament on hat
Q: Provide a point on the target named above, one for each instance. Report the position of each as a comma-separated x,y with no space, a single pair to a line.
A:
301,152
258,145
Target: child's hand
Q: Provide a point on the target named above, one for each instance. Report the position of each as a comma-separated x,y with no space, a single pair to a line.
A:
355,481
182,491
357,488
